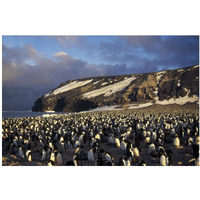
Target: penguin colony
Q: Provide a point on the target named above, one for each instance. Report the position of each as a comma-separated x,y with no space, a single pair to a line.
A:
104,139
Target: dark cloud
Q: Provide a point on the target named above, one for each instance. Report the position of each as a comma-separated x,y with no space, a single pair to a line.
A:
28,74
158,52
23,83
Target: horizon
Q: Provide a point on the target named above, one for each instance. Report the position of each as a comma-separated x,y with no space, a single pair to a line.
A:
34,65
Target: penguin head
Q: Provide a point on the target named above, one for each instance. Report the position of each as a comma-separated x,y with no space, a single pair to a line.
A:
101,151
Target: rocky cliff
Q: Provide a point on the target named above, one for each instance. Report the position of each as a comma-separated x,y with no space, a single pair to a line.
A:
178,86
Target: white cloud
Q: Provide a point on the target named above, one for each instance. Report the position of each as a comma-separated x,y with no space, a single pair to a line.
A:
60,53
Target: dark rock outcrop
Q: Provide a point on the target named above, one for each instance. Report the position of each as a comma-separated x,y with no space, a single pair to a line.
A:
89,93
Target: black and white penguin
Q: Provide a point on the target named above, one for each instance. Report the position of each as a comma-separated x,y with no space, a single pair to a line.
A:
43,155
130,154
142,163
136,152
121,162
77,149
169,160
162,158
127,161
117,142
21,154
109,158
77,161
59,158
91,155
123,144
151,148
52,156
29,155
50,163
77,143
176,141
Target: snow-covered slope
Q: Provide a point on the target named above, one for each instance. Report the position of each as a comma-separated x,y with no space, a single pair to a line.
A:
178,86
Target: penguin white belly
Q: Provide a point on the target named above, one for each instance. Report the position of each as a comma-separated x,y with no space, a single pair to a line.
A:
123,145
49,164
77,143
97,137
176,142
52,157
43,155
128,163
27,153
147,140
153,137
21,153
108,158
29,158
136,152
59,159
90,156
162,160
110,139
69,144
151,149
117,142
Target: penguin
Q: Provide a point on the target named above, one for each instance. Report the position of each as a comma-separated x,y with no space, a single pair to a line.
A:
110,139
117,142
43,155
77,143
176,141
169,160
76,160
136,152
109,158
29,155
59,158
128,163
70,143
50,163
151,148
190,141
91,155
142,163
21,154
162,158
123,144
52,156
77,149
121,162
153,136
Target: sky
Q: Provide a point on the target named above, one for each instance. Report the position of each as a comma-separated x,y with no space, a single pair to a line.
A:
34,65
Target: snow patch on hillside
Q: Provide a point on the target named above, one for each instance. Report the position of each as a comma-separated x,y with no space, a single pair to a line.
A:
180,100
136,106
118,107
111,89
95,82
70,86
158,77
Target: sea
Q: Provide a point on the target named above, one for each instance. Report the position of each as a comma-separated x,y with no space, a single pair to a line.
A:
29,113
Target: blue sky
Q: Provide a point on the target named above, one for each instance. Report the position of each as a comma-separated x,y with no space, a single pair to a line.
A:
34,65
